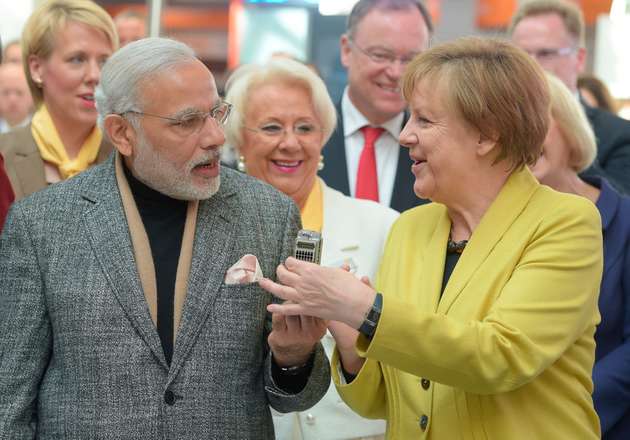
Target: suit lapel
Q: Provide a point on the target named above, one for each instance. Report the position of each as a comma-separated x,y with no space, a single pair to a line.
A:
214,237
510,202
335,172
27,173
108,232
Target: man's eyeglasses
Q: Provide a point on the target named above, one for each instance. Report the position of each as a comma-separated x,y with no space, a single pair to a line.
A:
382,56
191,123
551,53
304,130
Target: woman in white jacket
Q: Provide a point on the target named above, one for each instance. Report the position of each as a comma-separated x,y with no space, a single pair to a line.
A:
283,117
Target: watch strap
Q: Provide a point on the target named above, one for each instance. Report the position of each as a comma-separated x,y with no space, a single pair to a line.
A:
368,327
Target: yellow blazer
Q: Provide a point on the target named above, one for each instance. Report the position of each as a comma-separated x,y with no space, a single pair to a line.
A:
24,163
507,352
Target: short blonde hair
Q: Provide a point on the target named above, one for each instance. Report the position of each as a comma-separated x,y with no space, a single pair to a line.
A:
277,70
573,124
496,87
40,30
569,12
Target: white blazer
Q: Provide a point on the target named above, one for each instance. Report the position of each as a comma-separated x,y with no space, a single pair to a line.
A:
354,232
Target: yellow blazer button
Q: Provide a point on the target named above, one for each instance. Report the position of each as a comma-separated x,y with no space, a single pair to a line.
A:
426,383
424,422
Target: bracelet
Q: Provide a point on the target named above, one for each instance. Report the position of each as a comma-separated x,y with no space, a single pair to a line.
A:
295,370
368,328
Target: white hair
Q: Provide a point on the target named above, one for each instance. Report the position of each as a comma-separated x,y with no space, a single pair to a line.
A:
125,71
278,70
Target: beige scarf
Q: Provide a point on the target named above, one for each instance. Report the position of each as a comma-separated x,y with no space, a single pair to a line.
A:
52,149
142,250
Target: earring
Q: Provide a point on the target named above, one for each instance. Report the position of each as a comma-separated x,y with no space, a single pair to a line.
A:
38,82
240,164
320,164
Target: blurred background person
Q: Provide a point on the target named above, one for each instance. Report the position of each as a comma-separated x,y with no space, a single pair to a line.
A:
487,298
552,32
6,194
65,44
283,118
131,25
364,157
16,103
570,148
596,94
12,52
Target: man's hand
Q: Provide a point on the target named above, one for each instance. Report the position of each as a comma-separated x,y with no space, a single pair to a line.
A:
293,338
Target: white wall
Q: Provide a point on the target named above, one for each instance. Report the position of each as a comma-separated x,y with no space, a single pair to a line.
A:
13,15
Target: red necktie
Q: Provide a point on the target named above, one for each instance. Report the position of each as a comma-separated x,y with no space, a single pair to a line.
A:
367,177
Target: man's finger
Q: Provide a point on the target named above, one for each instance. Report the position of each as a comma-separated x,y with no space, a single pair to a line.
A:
278,322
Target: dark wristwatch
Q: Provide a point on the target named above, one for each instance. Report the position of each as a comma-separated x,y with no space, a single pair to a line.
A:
368,328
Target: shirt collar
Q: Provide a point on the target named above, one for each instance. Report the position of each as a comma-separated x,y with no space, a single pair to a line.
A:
353,119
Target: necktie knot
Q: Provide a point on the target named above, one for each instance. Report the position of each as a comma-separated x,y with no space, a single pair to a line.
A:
371,134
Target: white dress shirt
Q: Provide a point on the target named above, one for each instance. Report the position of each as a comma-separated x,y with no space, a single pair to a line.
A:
386,148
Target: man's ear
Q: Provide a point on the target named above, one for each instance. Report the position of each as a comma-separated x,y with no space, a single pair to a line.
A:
121,133
344,46
581,59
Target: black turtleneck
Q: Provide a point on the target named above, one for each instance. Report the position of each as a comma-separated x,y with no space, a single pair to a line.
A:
164,219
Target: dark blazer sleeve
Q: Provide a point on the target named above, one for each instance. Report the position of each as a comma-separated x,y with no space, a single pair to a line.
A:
6,194
611,373
319,379
26,341
613,146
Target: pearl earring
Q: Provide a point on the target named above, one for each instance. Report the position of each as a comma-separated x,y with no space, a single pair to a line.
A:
320,164
240,164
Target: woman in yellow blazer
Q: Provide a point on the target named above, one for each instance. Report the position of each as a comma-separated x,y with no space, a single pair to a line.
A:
481,324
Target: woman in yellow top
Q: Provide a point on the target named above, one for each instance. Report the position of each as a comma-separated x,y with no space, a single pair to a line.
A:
482,327
64,45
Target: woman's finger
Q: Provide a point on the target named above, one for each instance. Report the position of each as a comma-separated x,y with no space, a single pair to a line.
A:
282,292
286,276
287,309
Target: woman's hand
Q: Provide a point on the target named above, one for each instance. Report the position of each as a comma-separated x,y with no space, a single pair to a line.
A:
323,292
293,338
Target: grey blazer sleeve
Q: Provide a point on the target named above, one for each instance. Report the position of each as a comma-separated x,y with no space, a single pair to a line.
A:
26,339
319,379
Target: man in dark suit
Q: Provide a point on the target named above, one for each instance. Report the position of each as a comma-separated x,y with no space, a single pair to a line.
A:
382,37
552,31
122,311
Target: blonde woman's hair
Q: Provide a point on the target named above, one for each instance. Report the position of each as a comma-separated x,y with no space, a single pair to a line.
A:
244,80
495,87
573,124
42,27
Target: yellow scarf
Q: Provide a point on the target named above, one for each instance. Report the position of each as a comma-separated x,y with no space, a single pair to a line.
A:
313,211
52,149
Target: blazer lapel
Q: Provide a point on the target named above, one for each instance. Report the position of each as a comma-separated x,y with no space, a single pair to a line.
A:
510,202
335,172
27,173
108,232
214,237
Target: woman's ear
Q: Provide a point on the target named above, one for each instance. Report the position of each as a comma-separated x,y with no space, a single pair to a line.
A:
121,133
486,144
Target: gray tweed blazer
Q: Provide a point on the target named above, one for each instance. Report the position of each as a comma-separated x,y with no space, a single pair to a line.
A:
79,355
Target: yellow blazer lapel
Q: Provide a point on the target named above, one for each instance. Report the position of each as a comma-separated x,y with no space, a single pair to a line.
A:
510,202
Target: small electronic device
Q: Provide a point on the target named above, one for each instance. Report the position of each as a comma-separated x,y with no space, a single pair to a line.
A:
308,246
